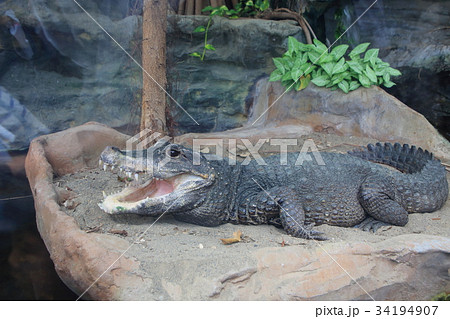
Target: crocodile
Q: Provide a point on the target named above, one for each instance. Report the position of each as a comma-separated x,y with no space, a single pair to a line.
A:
344,190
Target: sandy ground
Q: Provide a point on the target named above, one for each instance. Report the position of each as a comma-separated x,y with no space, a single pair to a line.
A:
172,240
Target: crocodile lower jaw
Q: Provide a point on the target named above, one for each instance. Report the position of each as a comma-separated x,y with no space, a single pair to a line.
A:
153,192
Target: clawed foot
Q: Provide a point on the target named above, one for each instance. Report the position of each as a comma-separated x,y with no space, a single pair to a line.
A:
371,224
317,235
307,232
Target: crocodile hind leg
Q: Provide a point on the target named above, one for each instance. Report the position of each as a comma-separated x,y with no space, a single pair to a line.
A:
291,213
377,197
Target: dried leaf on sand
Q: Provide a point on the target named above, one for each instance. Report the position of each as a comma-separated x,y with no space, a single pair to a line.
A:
236,238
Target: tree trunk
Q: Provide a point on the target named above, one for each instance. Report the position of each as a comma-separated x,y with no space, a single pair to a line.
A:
154,27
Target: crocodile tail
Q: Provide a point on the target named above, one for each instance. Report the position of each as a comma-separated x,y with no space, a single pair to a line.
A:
424,187
407,159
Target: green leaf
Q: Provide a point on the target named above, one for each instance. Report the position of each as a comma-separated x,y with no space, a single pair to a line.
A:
370,74
310,47
317,72
326,58
297,85
389,84
394,72
321,80
308,68
344,86
296,74
386,77
288,63
303,58
339,67
353,85
355,66
372,53
313,56
379,71
288,85
337,78
301,47
364,80
359,49
208,8
275,76
288,54
286,76
320,46
279,64
328,67
339,51
199,29
196,54
292,44
210,47
264,6
334,88
329,85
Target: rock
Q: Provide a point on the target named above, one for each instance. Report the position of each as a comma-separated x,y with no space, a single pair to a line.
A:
82,75
365,112
413,37
402,267
79,73
214,91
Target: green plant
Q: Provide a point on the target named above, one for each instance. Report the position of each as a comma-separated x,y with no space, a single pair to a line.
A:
441,297
251,8
304,63
242,9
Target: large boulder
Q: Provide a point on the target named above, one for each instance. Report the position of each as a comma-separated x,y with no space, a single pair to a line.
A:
365,112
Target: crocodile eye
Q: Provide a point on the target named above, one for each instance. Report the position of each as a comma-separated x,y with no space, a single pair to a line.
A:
173,152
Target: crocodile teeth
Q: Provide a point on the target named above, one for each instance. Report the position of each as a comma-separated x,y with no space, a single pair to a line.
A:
104,167
104,194
136,176
100,162
112,168
129,174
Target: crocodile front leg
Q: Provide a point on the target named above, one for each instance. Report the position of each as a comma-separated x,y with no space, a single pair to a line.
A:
278,205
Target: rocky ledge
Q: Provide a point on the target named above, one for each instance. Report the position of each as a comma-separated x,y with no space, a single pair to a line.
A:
178,261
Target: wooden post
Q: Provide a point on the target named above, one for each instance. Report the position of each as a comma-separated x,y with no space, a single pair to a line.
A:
154,28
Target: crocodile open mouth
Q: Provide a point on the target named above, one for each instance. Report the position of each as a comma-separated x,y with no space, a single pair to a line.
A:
153,191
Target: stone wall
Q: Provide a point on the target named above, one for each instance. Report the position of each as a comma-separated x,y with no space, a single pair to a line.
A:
214,91
78,74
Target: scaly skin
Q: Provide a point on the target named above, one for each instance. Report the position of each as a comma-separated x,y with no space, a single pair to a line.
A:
343,192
